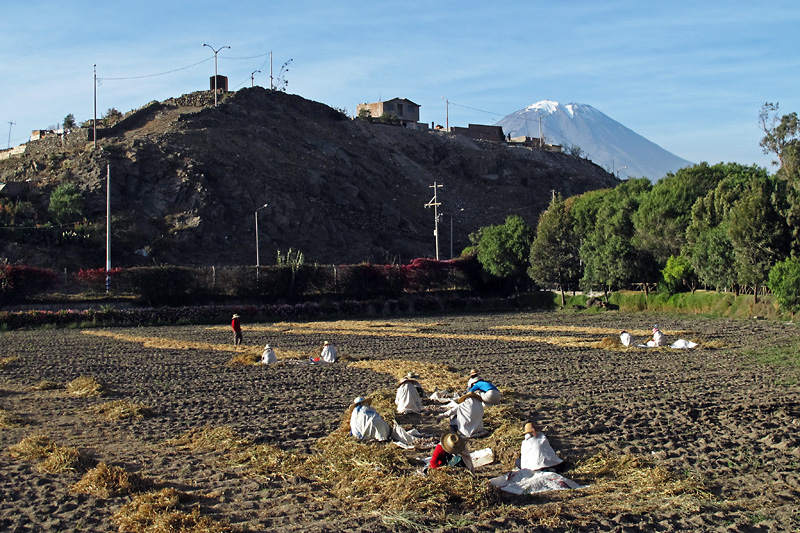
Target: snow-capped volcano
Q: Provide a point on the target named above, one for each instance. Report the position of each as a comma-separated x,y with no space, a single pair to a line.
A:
601,138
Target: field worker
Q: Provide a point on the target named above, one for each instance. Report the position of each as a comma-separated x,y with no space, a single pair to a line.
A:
366,423
408,398
658,337
237,330
536,452
477,387
625,338
452,451
466,417
328,354
268,357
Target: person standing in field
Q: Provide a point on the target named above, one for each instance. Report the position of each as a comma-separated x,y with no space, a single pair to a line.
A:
237,330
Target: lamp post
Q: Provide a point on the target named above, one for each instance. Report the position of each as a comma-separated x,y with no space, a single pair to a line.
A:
215,69
620,168
435,204
252,77
541,139
10,124
258,260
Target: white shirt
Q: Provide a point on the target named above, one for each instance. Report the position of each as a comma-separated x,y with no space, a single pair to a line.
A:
268,357
536,453
407,398
367,424
328,353
468,417
625,338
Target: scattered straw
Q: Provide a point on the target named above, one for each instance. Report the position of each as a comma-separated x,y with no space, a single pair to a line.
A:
8,360
86,386
210,438
46,384
268,461
105,481
11,420
162,512
433,376
123,409
54,458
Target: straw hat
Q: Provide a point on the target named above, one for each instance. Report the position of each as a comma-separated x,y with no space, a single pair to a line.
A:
235,316
361,399
267,347
473,373
528,428
411,376
326,343
453,443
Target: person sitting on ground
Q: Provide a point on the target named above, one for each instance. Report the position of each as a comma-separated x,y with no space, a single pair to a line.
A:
408,397
477,387
268,357
237,330
536,452
328,354
625,338
452,451
466,417
366,423
658,338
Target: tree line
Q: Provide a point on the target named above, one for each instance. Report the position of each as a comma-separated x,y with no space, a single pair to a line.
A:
726,227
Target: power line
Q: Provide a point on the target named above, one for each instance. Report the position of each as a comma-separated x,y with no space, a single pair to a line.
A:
250,57
159,74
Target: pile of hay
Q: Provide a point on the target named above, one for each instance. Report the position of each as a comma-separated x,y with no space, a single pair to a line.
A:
8,360
123,409
53,458
220,439
163,512
105,481
86,386
268,461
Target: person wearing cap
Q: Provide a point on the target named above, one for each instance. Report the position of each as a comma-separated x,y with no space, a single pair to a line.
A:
536,452
268,357
237,330
328,354
408,398
625,338
452,451
658,337
366,423
479,388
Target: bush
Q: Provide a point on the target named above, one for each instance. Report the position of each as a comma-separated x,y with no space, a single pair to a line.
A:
784,282
96,277
66,203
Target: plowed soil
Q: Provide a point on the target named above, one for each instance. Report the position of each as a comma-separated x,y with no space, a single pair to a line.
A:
714,412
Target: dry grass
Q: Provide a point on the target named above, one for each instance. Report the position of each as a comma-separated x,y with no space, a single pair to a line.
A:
163,512
86,386
54,458
8,360
268,461
11,420
220,439
433,376
105,481
122,410
47,384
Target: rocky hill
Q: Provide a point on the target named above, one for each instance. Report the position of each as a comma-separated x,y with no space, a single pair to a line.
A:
187,178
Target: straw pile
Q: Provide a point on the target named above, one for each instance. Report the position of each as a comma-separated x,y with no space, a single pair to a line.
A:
54,458
162,512
105,481
123,409
86,386
47,384
268,461
210,438
8,360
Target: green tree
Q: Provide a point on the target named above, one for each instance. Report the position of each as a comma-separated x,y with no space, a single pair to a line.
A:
364,114
66,203
554,252
665,211
389,118
678,273
759,234
784,282
69,122
111,117
504,249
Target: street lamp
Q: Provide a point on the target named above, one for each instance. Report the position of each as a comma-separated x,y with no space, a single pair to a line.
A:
620,168
258,261
215,69
252,78
541,139
10,124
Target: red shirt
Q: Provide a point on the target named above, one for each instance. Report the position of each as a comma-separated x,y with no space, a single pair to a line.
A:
235,325
440,457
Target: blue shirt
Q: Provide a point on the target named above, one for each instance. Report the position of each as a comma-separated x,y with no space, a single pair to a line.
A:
483,386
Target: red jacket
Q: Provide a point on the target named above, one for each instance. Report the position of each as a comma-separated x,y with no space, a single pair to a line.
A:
235,325
440,457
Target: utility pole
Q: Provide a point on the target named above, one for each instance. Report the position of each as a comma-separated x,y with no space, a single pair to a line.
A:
94,122
270,71
258,258
10,124
435,204
541,138
446,115
252,77
108,226
215,69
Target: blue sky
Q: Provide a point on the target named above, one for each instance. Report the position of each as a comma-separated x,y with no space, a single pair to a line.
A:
689,76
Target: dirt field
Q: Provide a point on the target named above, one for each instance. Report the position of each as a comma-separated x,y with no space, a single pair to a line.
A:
719,428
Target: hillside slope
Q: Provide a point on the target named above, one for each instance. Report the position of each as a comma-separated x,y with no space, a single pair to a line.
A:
187,178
